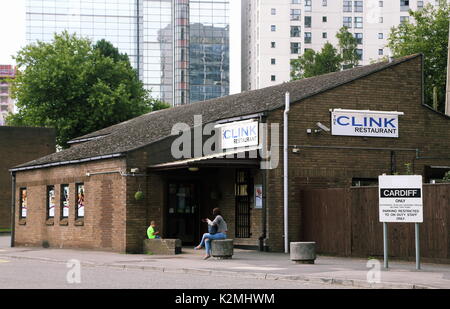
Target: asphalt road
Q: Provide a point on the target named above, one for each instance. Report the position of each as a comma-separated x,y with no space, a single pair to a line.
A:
30,274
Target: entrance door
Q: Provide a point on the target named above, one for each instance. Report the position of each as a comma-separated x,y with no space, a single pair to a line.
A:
183,212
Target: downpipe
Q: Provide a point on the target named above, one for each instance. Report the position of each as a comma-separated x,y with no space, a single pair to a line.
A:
285,174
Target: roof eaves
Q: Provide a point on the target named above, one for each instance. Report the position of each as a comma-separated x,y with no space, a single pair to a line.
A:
40,166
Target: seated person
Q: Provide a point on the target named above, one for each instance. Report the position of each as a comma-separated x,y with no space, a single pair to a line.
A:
152,232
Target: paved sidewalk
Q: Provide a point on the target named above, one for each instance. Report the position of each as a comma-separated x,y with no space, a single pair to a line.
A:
249,264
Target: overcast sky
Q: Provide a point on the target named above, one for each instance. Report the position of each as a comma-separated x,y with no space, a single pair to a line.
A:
12,33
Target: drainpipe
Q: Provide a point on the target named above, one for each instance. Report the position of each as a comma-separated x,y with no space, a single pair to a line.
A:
13,207
447,101
285,165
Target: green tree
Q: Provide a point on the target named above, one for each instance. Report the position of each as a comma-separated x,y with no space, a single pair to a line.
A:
313,64
427,35
76,87
347,46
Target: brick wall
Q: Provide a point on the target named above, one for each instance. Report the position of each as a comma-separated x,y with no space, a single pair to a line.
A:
104,221
17,146
396,89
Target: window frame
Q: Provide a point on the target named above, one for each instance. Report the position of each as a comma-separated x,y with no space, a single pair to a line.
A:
62,200
48,205
77,208
21,203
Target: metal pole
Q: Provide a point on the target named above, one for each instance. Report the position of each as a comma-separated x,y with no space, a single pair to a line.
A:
417,246
385,244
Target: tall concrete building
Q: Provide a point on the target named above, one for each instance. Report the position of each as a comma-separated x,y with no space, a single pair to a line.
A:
180,48
276,31
6,102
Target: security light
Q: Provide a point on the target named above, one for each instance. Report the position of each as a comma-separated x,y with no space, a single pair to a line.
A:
322,127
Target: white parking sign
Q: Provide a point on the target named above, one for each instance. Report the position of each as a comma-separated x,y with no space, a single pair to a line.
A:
401,199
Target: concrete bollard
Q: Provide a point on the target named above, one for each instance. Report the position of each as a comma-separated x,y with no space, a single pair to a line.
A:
222,248
303,252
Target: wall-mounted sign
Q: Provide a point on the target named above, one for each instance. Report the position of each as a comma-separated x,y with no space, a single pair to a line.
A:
258,196
239,134
401,199
364,123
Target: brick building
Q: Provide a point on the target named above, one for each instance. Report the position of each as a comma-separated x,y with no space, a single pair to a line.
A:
19,145
85,196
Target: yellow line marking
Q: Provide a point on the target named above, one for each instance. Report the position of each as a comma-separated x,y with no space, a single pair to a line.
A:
4,261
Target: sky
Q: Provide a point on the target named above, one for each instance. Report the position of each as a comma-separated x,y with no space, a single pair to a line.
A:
12,34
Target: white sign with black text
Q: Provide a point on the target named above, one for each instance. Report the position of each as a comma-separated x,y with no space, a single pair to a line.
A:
401,199
364,123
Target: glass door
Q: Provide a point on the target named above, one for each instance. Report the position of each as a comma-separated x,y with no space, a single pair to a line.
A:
183,209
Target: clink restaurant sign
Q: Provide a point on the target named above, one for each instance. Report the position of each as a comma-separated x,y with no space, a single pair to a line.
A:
239,134
365,123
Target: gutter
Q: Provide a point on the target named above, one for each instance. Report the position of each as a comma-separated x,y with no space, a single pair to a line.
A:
32,167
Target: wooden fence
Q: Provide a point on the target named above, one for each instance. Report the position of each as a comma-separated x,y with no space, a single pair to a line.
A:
344,222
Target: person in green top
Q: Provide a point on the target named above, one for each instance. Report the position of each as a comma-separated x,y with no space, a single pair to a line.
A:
152,233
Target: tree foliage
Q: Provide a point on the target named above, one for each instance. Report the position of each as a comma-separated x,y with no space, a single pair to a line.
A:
329,59
428,34
76,87
347,46
313,64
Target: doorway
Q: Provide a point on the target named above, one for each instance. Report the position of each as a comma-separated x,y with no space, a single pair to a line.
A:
183,211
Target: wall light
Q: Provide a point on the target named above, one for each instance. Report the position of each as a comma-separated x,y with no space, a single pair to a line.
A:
193,169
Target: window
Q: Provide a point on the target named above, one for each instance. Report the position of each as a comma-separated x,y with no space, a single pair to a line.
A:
380,35
308,37
273,78
358,6
23,203
273,61
243,193
308,5
273,11
295,48
324,3
65,204
295,1
380,51
358,22
359,53
347,6
347,22
295,14
359,38
272,44
80,200
420,4
308,21
380,20
404,5
50,202
324,35
404,19
380,4
324,19
273,28
295,31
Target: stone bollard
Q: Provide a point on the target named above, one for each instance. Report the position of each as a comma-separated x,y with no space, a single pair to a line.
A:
222,249
303,252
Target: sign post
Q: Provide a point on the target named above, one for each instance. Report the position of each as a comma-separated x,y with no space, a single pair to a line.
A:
401,201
